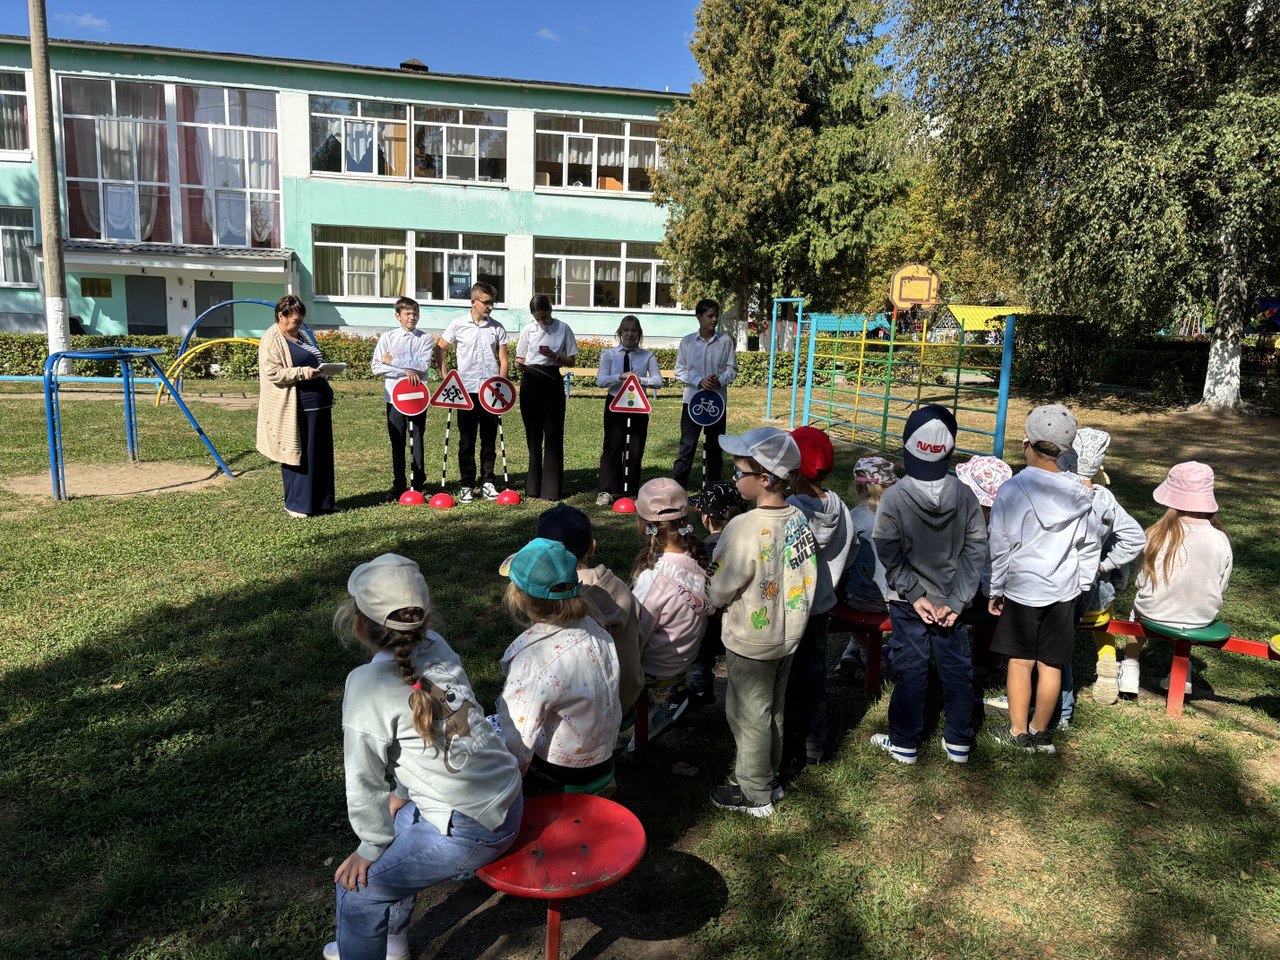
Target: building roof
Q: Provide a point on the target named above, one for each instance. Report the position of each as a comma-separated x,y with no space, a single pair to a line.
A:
347,67
979,318
176,250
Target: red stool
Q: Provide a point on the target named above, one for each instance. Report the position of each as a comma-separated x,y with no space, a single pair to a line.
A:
569,845
869,629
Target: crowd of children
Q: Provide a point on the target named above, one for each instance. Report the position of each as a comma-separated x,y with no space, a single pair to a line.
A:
435,787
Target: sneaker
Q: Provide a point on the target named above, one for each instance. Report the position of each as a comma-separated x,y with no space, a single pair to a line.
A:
702,698
906,755
956,752
997,703
847,670
1127,678
397,948
466,495
394,494
776,792
1007,738
660,718
603,499
731,797
295,514
490,491
1105,689
1042,741
1164,684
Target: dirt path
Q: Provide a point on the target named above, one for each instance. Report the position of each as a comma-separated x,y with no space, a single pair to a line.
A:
120,480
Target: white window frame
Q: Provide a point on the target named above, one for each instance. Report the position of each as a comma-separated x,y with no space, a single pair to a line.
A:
27,153
623,260
345,296
8,282
407,118
459,251
177,213
626,137
247,191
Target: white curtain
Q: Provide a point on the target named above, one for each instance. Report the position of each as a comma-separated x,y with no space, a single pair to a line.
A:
117,149
121,213
610,152
263,161
228,158
359,144
13,122
151,164
264,220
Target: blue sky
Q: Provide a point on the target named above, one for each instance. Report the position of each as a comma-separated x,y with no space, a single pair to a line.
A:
625,45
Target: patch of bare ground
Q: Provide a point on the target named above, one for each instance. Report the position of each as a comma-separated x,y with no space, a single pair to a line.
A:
120,480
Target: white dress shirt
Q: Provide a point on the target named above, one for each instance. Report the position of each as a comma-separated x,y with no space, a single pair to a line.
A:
643,364
478,346
410,350
697,359
557,336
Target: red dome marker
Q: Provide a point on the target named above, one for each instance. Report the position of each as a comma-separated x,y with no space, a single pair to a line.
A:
441,501
624,505
508,498
412,498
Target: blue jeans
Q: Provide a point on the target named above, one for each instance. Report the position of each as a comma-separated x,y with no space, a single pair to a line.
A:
911,643
419,857
1067,702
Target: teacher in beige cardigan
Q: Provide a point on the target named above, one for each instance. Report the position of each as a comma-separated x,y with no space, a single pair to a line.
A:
295,412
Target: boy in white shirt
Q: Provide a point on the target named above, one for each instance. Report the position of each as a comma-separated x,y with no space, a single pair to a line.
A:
404,354
705,360
482,354
1045,549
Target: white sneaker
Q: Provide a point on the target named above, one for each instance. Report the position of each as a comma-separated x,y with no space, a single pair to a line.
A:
490,491
466,495
1127,677
901,754
997,703
1105,689
604,499
1164,684
956,752
397,948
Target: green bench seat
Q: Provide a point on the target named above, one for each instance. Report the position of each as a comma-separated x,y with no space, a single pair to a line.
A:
1215,632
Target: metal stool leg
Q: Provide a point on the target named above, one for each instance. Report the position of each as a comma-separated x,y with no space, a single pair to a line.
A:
553,930
1178,678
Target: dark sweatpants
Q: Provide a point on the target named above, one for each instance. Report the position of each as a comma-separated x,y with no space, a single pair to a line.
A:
911,643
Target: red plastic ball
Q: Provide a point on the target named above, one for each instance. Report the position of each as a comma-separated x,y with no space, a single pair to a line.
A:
624,505
508,498
412,498
441,501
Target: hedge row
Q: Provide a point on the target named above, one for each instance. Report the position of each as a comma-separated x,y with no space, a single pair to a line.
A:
24,355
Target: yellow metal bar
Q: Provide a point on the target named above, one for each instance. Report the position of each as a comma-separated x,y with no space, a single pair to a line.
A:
176,367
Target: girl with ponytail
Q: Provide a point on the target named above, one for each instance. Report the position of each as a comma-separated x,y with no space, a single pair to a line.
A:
432,792
670,584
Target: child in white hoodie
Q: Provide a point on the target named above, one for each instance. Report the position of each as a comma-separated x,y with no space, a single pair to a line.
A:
1044,554
559,710
805,722
670,584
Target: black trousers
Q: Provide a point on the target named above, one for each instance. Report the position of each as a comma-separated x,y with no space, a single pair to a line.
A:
612,469
712,455
542,410
469,421
397,429
308,487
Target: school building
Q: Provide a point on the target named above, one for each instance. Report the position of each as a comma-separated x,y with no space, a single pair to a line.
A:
189,178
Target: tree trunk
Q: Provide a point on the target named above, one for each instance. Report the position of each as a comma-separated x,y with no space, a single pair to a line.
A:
741,298
1222,380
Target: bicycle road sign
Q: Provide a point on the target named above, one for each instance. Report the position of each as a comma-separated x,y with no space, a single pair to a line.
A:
706,407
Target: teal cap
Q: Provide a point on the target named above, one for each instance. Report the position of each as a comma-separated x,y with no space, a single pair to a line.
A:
541,566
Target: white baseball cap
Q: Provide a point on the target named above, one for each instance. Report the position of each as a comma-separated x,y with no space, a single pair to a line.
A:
387,584
773,449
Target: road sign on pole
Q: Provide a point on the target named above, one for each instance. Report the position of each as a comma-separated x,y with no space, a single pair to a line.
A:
451,394
410,399
630,398
498,395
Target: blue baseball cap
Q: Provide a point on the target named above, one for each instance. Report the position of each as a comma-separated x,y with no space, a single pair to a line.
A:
567,525
927,442
544,569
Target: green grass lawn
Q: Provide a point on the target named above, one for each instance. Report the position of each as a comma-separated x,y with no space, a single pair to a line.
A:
171,768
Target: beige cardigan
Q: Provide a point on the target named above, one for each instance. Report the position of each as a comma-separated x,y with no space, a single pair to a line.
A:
278,435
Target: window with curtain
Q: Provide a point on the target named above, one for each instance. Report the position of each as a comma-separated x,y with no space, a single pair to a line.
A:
602,274
17,246
13,111
116,156
448,263
595,153
229,166
367,262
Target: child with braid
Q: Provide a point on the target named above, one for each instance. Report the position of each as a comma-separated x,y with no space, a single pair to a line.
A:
410,718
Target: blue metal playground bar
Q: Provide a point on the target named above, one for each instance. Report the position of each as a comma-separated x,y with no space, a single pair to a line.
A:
126,356
773,349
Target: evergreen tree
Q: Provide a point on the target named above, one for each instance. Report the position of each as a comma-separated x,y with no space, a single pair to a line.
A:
1124,154
774,173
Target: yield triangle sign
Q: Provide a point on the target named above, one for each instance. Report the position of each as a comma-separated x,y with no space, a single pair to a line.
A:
630,398
451,394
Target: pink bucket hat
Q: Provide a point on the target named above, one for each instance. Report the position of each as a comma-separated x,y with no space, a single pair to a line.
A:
984,476
1189,487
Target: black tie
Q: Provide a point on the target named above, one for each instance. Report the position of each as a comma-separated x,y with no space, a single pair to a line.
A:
626,361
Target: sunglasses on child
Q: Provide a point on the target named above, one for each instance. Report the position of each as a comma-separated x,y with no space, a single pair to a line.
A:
739,474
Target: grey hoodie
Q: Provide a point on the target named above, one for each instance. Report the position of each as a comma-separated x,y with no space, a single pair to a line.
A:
931,538
833,530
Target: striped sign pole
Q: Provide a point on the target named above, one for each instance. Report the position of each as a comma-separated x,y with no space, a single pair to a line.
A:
502,445
444,466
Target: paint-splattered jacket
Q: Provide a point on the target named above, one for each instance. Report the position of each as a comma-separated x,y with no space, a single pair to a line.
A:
467,768
560,700
763,574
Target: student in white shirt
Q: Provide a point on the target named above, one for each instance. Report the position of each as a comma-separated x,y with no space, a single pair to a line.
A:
404,354
546,345
482,354
706,360
615,364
